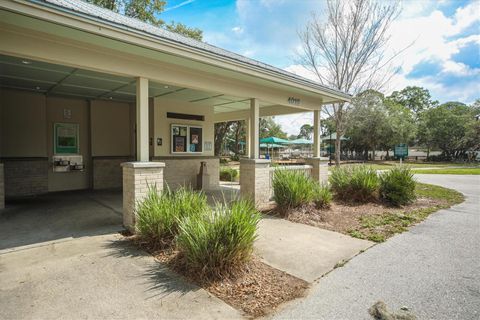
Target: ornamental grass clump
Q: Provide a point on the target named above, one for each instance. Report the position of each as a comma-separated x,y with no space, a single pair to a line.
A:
292,188
220,242
357,183
228,174
160,212
397,186
322,197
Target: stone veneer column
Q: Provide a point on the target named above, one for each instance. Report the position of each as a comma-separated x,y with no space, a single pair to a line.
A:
2,187
255,180
319,168
137,177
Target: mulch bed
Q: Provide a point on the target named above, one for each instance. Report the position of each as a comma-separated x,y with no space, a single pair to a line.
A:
257,288
343,217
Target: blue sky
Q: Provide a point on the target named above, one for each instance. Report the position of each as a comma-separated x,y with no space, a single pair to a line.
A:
444,39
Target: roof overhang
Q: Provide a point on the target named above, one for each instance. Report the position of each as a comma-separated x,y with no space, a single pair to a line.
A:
197,58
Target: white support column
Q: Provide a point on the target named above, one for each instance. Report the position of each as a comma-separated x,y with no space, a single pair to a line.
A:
254,131
2,187
142,120
247,142
316,134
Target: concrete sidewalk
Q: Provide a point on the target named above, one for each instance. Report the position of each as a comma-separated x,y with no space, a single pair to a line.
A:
98,277
304,251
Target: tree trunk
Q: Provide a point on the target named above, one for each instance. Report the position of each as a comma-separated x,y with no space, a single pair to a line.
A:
337,150
220,131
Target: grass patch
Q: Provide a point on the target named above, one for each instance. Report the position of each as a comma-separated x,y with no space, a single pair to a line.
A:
472,171
436,192
379,227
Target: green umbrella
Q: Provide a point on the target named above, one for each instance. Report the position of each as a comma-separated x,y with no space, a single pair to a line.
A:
333,136
271,140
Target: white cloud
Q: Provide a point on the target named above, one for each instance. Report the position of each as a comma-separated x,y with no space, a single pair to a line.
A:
237,30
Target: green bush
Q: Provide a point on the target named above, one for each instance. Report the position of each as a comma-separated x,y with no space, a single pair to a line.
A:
322,197
397,186
355,183
159,214
228,174
292,188
217,243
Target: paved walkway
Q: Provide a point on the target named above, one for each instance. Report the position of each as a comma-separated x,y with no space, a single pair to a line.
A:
434,269
98,277
304,251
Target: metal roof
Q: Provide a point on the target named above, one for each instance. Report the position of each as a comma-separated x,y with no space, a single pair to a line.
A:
92,11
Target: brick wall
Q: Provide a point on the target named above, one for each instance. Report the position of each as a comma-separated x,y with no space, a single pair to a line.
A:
183,172
137,177
2,188
107,172
25,177
255,182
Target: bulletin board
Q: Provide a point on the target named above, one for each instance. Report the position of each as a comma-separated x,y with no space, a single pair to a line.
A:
65,137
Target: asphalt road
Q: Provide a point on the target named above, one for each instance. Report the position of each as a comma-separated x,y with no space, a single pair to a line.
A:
433,269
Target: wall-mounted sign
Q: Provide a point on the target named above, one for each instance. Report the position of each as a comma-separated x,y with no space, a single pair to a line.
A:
208,145
293,100
67,113
65,137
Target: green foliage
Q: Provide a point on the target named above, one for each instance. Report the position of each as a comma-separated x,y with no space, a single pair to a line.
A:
148,11
218,243
355,183
268,128
228,174
452,127
322,196
293,188
397,186
306,132
158,215
414,98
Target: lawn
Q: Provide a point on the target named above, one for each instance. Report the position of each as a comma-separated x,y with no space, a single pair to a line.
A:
385,165
474,171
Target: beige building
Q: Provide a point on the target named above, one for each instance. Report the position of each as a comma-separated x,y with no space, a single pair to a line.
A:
83,90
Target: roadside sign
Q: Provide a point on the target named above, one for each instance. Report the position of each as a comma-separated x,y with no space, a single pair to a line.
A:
401,150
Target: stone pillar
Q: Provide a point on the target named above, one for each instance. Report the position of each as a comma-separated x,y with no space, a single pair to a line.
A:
142,120
2,187
319,169
137,177
255,180
254,129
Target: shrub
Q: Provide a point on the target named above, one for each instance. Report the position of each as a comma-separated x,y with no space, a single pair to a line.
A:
221,241
356,183
228,174
159,214
397,186
292,188
322,197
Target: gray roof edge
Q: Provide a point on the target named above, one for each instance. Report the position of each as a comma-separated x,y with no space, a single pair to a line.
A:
134,25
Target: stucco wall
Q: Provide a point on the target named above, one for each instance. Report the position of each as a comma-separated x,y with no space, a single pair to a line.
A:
110,128
23,126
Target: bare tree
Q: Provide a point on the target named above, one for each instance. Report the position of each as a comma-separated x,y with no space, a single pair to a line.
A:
346,49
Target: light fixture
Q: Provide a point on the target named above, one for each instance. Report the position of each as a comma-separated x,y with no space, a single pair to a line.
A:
166,87
37,88
110,98
26,62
